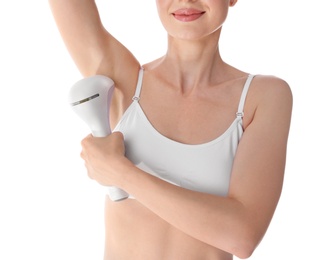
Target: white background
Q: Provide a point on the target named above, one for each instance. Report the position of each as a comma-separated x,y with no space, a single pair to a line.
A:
49,209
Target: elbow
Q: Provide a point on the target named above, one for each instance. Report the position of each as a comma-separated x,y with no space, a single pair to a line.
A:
243,252
244,249
245,244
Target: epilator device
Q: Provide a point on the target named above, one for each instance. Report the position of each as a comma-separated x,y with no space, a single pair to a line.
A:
90,99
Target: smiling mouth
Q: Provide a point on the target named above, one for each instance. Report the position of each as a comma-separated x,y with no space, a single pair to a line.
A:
187,15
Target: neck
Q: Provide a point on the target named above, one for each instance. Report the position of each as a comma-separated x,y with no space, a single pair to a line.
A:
192,64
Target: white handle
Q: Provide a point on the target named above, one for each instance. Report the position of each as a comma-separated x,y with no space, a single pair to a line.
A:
114,193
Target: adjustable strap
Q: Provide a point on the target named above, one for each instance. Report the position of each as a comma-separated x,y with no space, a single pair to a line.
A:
240,111
139,85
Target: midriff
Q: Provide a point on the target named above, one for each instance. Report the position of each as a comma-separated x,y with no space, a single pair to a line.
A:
133,232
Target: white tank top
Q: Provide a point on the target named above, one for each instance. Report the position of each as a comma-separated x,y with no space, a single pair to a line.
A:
202,167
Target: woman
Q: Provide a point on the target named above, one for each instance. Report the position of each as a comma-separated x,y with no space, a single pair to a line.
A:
205,143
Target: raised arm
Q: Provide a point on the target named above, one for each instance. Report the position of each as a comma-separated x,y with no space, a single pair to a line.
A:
92,47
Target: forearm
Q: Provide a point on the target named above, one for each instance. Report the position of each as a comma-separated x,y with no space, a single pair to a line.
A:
218,221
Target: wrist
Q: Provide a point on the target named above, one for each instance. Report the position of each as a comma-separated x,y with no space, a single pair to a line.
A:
123,168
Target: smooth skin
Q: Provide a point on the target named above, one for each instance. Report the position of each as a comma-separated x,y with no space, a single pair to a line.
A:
188,89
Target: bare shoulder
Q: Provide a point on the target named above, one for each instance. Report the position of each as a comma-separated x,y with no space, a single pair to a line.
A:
271,106
272,89
269,98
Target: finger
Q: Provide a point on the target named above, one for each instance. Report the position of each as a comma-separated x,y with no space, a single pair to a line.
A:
86,139
89,172
119,134
82,155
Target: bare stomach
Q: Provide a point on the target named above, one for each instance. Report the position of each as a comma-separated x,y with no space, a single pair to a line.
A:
133,232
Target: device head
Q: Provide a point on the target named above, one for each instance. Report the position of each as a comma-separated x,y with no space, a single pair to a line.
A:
90,98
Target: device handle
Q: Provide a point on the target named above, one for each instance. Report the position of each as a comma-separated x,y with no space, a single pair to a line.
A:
114,193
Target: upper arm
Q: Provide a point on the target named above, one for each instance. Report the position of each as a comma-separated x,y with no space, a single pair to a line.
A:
92,47
258,170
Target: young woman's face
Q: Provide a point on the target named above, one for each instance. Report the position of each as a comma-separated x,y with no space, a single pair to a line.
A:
192,19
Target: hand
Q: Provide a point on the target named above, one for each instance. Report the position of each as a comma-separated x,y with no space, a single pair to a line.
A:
102,156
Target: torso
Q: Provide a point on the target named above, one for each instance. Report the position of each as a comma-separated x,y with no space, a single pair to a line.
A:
133,232
132,226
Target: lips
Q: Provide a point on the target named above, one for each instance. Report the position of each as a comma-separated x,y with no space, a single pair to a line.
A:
187,14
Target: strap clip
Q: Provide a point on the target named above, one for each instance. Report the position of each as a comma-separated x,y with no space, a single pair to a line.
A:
136,98
239,114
